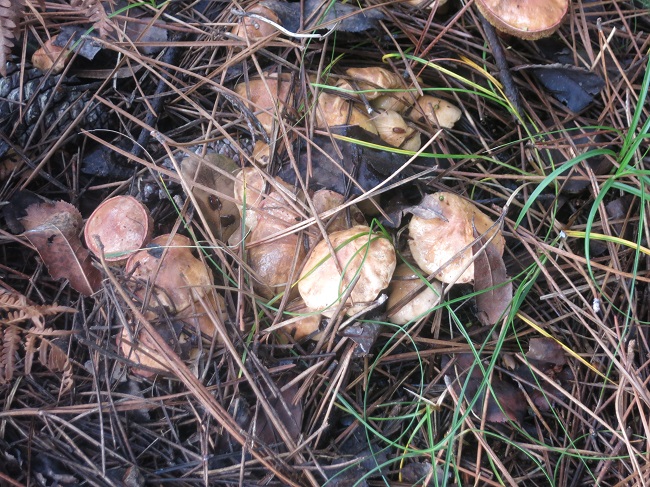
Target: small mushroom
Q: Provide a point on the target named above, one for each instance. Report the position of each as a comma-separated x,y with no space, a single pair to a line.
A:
255,29
404,282
301,322
178,278
272,249
397,101
325,200
267,97
50,57
438,112
526,19
334,110
123,225
442,230
372,81
393,130
262,153
212,182
367,259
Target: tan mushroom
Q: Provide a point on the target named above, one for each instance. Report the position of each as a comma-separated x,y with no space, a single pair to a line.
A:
325,200
267,97
404,282
255,29
178,278
272,248
526,19
372,81
394,130
442,230
366,258
301,322
123,225
333,110
438,112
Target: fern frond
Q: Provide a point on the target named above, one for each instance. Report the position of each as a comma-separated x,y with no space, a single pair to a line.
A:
96,13
10,13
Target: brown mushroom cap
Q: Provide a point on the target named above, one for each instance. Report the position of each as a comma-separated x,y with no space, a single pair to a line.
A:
255,29
526,19
437,111
301,322
360,253
123,225
441,227
177,280
403,282
267,97
334,110
372,81
272,261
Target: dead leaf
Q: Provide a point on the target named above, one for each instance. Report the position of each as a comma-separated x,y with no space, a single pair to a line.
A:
575,87
491,282
288,410
505,401
53,228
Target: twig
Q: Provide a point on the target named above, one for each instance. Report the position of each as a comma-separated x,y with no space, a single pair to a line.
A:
505,77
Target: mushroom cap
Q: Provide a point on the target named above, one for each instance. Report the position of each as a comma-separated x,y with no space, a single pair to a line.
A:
123,225
267,102
334,110
325,200
394,130
404,281
180,276
437,111
434,241
372,80
360,253
526,19
302,322
272,261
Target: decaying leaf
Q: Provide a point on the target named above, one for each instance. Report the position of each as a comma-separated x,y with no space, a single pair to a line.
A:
53,228
547,356
575,87
287,409
505,401
212,183
490,281
368,166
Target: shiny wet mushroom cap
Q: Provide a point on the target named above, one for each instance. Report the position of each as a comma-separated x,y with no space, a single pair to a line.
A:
526,19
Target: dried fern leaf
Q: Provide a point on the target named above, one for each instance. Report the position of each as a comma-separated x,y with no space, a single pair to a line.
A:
96,13
10,13
9,343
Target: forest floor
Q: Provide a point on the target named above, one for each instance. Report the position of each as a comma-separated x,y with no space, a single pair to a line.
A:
258,140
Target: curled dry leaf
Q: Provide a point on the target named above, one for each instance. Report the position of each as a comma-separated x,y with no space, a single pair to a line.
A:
50,57
212,182
367,260
53,229
505,401
441,232
490,282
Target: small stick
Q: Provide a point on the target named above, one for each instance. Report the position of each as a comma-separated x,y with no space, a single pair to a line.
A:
505,77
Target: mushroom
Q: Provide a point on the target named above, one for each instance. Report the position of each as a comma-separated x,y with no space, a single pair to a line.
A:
51,57
272,261
333,110
372,81
301,322
212,184
439,112
255,29
262,153
442,230
367,260
394,131
267,97
123,225
526,19
325,200
405,281
178,278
